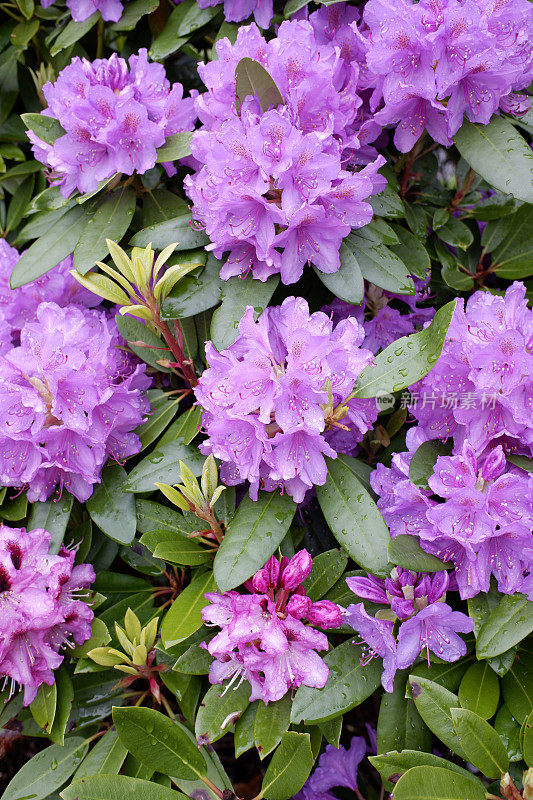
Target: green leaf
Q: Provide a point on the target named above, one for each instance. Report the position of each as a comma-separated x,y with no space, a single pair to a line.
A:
509,732
24,32
177,145
132,13
55,245
381,266
185,19
194,661
243,735
447,674
393,764
46,771
118,787
271,722
252,536
480,742
252,79
133,330
456,234
53,516
180,551
159,742
405,551
195,293
185,614
411,251
290,767
509,623
43,708
170,231
72,33
517,688
480,690
237,294
406,361
162,466
106,757
156,517
65,696
423,461
111,221
499,154
27,7
400,726
354,519
513,257
163,410
19,203
99,638
112,509
522,462
219,710
326,570
186,428
348,684
434,703
46,128
434,783
528,741
347,283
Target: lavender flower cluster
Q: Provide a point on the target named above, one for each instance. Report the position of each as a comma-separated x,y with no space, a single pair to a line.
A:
263,638
114,120
40,609
111,10
273,188
429,63
269,397
478,510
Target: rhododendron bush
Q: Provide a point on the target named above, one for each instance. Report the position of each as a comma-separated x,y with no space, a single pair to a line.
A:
266,400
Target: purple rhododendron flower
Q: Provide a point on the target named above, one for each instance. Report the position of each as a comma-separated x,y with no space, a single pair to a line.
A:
426,621
268,411
478,514
481,388
277,189
19,306
111,10
71,399
263,638
40,609
337,767
429,63
114,119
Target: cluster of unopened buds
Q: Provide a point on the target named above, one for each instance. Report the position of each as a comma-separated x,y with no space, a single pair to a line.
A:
139,285
137,657
198,498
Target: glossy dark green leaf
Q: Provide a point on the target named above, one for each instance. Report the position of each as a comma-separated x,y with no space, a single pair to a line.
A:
65,697
133,330
106,757
162,466
522,462
517,689
480,690
290,767
499,154
480,742
508,730
527,741
243,735
185,19
381,266
237,294
347,283
185,614
456,233
252,79
46,128
271,722
133,12
326,570
72,33
43,708
393,764
509,623
159,742
51,248
513,257
47,771
405,551
24,32
435,783
170,231
53,517
219,710
433,703
186,427
163,409
400,726
111,508
423,461
118,787
156,517
19,203
406,361
195,293
176,146
411,251
354,518
348,684
194,661
110,221
446,674
182,551
253,535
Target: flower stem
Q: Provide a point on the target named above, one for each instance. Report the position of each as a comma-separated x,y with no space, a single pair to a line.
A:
100,38
211,785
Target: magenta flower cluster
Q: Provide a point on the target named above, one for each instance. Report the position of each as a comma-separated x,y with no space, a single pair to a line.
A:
427,622
275,189
70,400
431,62
478,514
337,767
481,388
40,607
264,639
19,306
111,10
267,402
114,119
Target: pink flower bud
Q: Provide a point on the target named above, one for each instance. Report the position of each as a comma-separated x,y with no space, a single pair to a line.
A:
494,464
325,613
298,606
296,570
267,577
